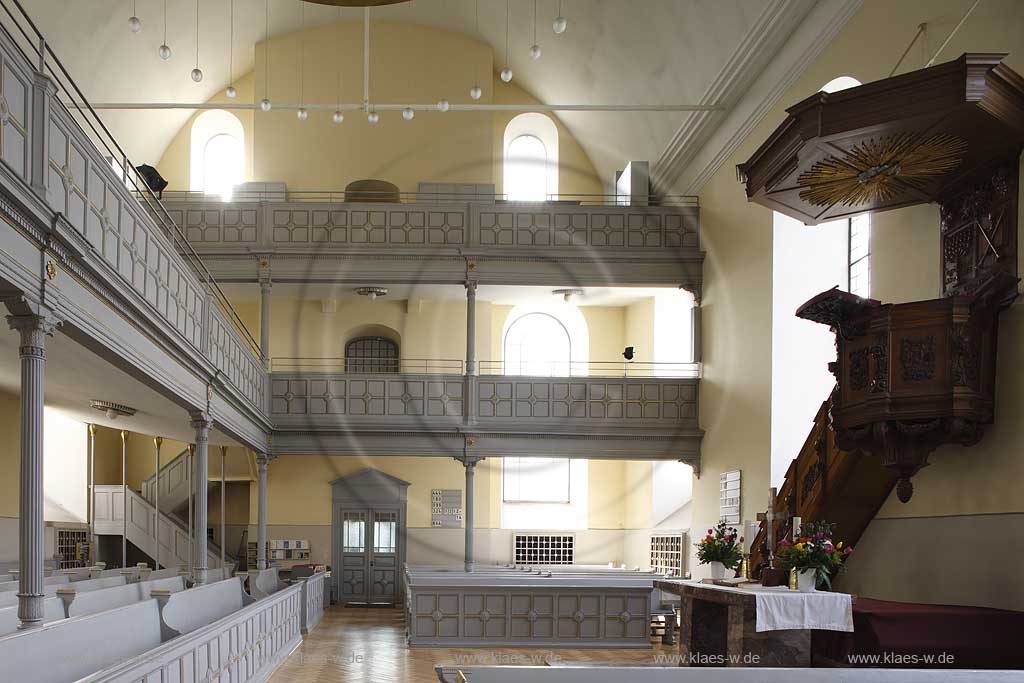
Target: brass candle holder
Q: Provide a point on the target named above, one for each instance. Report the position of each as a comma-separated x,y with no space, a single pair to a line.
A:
745,567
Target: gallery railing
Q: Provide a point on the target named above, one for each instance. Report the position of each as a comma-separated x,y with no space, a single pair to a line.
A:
68,156
589,369
419,366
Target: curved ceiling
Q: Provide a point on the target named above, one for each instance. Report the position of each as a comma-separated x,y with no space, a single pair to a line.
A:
614,52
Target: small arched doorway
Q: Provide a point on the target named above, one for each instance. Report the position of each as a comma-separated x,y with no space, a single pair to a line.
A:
368,537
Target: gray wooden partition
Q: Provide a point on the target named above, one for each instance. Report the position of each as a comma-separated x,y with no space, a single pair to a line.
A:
501,609
671,674
11,597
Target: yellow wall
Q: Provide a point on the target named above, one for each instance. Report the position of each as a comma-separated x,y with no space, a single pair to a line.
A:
435,146
736,386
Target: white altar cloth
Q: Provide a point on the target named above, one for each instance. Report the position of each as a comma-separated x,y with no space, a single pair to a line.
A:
779,608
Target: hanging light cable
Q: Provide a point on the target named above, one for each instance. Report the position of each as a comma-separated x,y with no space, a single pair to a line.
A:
371,115
302,114
506,73
197,73
560,23
535,48
134,23
338,116
265,102
475,91
231,92
163,50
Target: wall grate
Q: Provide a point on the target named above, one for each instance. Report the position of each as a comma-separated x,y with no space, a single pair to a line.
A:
73,548
543,548
667,554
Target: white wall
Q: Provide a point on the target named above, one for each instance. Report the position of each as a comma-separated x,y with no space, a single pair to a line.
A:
806,261
65,464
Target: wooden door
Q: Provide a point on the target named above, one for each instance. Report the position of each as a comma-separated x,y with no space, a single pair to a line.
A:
384,553
354,541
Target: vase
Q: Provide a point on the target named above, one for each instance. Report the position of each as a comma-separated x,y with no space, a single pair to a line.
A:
717,570
806,580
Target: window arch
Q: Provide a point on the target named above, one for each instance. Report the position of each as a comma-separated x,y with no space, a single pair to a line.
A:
530,168
546,341
217,161
840,83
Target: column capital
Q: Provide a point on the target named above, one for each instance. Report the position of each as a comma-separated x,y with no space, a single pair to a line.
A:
468,460
200,419
471,286
34,329
264,458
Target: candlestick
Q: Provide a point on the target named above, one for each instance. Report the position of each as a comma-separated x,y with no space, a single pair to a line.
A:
796,529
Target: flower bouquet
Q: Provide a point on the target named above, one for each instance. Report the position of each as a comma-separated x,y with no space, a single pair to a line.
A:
721,549
815,556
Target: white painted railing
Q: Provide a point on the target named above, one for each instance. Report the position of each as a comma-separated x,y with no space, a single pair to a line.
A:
314,600
243,647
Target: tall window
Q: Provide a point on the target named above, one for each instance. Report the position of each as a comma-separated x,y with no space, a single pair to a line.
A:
535,480
218,153
371,354
859,261
537,344
531,158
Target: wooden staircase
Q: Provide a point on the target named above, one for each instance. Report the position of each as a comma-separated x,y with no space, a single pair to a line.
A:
825,483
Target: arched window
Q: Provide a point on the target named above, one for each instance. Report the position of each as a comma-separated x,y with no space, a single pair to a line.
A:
840,83
531,158
371,354
218,153
546,341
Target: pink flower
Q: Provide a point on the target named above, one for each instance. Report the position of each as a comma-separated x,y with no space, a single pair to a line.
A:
848,550
710,532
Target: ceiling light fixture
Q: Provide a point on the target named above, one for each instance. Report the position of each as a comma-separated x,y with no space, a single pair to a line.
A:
408,114
560,23
112,410
164,51
373,117
134,23
506,73
372,293
197,73
535,50
338,117
265,102
568,293
475,91
444,105
231,92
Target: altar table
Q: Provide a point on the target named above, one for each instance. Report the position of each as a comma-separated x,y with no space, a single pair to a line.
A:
719,626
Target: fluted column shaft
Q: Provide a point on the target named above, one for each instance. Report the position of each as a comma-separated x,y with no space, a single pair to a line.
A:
471,366
201,422
262,460
469,462
33,330
265,320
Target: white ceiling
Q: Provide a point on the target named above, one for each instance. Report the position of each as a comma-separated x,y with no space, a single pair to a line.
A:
614,52
497,294
74,375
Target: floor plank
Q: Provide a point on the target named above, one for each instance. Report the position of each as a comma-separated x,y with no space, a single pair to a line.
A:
356,645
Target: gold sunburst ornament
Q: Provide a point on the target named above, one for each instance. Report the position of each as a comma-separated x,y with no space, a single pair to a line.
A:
880,170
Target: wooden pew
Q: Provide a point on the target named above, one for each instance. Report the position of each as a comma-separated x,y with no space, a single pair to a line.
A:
192,609
53,610
6,586
11,598
118,596
71,649
672,674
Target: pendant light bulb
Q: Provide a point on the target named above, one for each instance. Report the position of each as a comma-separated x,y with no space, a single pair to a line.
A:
302,114
197,74
337,117
164,51
535,52
373,117
476,92
408,114
135,24
559,25
443,105
265,104
231,92
506,74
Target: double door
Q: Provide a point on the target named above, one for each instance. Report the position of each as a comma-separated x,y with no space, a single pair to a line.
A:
371,560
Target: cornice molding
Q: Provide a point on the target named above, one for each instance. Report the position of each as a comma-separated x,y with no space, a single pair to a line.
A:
689,161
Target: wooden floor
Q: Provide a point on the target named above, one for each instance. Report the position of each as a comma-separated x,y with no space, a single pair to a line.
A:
356,644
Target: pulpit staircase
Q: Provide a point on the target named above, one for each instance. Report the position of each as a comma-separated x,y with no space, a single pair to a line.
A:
823,482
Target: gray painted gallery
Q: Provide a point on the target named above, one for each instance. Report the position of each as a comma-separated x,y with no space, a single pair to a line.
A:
511,340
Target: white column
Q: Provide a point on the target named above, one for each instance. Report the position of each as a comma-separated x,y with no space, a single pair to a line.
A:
92,492
190,472
33,330
201,422
124,499
157,443
262,460
223,525
471,367
469,462
265,286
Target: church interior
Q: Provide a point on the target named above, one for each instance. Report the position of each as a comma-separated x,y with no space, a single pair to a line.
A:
511,341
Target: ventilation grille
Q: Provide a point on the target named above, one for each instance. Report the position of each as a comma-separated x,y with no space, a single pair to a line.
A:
667,554
543,548
73,547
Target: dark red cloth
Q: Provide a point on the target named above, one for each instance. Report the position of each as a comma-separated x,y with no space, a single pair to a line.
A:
901,634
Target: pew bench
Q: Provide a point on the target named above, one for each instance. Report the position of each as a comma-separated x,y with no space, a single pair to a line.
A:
11,597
